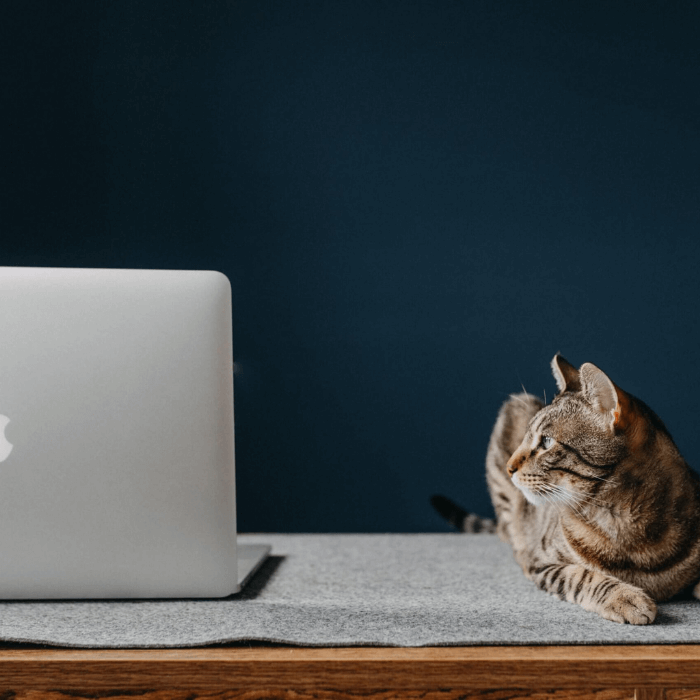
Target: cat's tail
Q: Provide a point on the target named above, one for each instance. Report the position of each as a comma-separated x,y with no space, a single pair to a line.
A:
460,518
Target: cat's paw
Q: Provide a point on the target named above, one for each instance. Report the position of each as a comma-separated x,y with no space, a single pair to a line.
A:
628,604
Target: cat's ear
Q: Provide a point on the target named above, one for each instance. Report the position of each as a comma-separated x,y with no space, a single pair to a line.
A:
565,374
603,395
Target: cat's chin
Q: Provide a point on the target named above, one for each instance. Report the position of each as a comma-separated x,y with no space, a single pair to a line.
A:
532,497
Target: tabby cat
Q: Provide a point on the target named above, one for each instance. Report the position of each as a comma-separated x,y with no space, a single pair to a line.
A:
592,494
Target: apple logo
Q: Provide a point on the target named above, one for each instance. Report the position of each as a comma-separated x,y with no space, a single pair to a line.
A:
5,444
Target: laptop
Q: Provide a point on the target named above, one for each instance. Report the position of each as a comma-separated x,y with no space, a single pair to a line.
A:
117,471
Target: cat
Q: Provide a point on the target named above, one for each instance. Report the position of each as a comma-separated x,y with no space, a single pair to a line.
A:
592,494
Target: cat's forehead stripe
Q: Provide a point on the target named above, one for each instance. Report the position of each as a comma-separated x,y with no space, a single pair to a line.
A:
538,422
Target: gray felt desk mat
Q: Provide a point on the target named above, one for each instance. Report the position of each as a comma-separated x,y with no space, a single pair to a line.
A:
337,590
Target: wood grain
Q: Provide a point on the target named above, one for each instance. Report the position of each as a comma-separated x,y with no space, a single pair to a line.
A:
649,694
327,695
370,670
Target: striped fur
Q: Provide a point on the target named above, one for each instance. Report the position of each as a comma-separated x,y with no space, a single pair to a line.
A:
459,518
592,494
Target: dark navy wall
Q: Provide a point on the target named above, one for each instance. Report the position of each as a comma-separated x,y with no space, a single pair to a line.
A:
417,203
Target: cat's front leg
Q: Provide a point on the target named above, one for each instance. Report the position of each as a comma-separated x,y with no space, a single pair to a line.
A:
600,593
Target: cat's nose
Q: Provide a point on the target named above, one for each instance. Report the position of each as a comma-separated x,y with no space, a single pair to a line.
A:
512,466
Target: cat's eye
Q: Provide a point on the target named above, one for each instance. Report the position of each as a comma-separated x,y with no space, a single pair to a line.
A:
547,442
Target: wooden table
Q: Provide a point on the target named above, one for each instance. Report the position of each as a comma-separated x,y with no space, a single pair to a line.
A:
432,673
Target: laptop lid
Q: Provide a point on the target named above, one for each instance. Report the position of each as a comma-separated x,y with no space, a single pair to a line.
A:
116,391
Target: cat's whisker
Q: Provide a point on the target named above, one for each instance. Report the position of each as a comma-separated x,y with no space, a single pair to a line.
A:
568,493
602,478
554,498
584,497
517,398
549,489
573,506
572,499
577,509
581,498
552,502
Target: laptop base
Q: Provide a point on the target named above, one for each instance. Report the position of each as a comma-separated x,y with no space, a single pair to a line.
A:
250,559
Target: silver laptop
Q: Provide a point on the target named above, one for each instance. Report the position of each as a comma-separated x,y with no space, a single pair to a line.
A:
116,436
